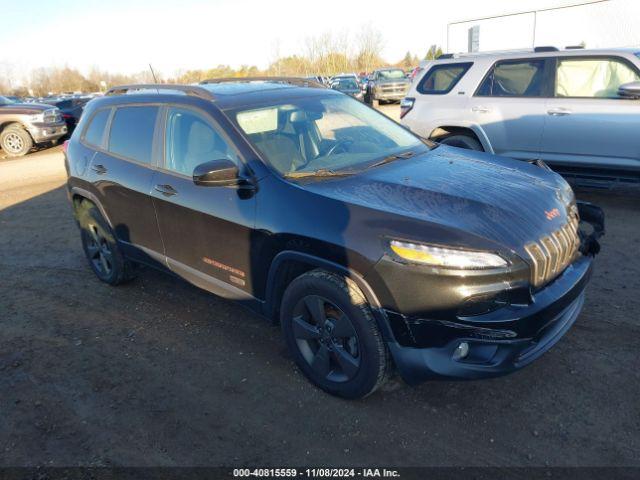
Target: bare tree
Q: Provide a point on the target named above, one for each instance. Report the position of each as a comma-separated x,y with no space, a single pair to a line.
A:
370,44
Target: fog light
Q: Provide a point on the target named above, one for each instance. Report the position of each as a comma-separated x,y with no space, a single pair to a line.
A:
461,351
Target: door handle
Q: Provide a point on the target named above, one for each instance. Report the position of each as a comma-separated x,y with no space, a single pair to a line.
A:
99,169
481,109
166,190
559,112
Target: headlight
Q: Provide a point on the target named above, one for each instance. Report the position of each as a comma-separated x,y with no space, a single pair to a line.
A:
446,257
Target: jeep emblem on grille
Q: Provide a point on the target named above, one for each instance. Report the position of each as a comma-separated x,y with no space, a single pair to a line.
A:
551,214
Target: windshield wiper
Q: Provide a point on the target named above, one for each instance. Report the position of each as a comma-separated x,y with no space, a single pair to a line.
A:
392,158
321,172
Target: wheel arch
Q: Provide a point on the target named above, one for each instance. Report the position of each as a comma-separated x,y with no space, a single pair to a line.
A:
472,130
290,264
79,194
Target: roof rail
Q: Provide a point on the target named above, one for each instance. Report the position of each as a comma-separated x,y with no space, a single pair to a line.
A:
301,82
574,47
497,52
545,49
192,90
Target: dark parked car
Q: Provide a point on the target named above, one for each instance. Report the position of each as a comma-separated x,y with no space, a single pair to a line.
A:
23,125
347,85
374,249
71,110
386,85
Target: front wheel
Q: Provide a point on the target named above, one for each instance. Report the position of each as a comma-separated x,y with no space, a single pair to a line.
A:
331,333
15,140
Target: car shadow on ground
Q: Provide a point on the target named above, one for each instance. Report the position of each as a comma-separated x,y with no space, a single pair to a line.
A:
158,372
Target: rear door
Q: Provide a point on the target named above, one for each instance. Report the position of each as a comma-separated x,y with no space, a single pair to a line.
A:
587,124
206,230
122,171
509,105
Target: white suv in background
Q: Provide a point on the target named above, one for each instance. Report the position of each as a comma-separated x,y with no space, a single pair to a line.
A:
578,110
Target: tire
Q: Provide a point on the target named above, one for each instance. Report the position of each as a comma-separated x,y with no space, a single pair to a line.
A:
15,141
462,141
102,251
332,335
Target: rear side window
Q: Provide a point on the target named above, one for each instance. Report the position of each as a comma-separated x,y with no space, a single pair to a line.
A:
522,78
94,134
440,79
592,77
132,132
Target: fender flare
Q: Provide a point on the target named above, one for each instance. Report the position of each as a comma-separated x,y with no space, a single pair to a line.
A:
287,255
81,192
475,128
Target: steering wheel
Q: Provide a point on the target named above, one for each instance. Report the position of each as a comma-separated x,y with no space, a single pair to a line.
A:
340,143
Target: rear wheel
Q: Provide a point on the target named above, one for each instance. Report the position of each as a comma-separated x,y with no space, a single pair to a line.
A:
332,335
15,140
462,141
100,247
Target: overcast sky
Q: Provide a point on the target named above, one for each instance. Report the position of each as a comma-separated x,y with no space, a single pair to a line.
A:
125,35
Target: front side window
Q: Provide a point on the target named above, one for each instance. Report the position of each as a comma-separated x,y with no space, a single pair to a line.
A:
94,134
440,79
190,140
324,133
132,132
514,79
592,77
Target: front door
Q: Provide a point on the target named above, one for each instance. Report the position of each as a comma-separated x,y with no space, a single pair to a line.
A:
206,230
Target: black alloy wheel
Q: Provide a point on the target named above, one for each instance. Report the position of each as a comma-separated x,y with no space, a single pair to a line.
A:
326,338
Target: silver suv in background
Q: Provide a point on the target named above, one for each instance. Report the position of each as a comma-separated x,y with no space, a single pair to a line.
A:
578,110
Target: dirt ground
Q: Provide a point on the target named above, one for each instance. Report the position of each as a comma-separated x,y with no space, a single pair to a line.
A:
160,373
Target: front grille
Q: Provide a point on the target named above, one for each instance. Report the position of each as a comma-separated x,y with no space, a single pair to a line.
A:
52,116
394,88
551,254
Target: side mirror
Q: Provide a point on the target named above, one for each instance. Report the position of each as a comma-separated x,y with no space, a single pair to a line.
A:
629,90
216,173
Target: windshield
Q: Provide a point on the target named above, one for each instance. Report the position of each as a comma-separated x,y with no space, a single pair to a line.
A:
391,73
324,133
345,84
5,101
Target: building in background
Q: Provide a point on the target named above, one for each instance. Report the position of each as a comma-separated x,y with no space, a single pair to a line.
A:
594,24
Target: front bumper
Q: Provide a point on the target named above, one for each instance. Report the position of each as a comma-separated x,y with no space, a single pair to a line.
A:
499,342
47,132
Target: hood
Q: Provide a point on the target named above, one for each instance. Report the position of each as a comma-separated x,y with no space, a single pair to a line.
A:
499,199
24,108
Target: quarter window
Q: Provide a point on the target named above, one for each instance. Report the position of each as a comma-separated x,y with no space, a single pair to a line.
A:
592,77
132,132
514,79
94,134
191,140
441,79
